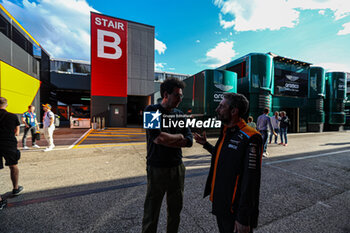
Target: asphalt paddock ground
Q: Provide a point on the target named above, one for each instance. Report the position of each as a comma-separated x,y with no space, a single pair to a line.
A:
63,138
304,188
113,135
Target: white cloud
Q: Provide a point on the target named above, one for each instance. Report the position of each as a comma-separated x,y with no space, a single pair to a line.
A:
329,66
322,12
62,27
340,8
159,66
220,55
160,47
198,41
256,14
252,15
345,30
162,67
226,24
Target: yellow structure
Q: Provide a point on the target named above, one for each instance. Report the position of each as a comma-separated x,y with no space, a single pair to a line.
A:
17,87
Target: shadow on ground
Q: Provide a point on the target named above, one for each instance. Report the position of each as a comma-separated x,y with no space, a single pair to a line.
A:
295,196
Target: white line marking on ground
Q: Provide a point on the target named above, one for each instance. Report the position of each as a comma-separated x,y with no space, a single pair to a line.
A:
61,139
79,139
43,148
306,157
197,167
306,177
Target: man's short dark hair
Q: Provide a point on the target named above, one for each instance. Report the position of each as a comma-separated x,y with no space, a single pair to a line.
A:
30,106
170,84
266,110
3,102
238,101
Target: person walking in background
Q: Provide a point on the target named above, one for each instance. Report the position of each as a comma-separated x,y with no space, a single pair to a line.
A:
31,124
165,169
9,129
262,125
251,123
284,128
49,126
233,182
275,121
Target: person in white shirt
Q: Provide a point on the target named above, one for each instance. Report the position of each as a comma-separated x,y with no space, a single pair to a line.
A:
49,126
275,121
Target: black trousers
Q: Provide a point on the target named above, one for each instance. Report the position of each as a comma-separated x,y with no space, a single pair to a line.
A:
161,181
226,224
26,130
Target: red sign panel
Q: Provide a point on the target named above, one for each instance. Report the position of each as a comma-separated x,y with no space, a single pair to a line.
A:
109,61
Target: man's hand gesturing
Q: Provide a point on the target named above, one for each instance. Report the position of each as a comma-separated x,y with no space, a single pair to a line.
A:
201,139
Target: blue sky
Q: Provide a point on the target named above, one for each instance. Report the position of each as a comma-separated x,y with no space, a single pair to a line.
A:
193,35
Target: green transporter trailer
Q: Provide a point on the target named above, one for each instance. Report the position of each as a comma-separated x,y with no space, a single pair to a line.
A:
204,91
347,103
347,111
312,99
274,82
254,80
316,95
335,100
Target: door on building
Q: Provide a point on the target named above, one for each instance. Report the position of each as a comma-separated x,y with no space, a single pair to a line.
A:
136,105
117,115
293,115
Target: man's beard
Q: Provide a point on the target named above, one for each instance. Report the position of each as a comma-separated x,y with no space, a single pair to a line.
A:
224,118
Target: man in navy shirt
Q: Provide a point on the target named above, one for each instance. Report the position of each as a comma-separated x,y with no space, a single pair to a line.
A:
31,124
165,170
262,124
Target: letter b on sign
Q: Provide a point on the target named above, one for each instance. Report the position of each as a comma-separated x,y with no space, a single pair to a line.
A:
101,44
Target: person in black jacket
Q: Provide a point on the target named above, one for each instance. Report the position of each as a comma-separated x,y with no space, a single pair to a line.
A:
165,169
234,178
9,129
284,124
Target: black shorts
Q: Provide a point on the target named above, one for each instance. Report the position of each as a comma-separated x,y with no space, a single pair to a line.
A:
11,158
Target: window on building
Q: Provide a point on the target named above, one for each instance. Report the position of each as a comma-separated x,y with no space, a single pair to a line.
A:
4,26
62,66
34,65
158,76
29,47
81,68
36,50
21,41
18,38
239,69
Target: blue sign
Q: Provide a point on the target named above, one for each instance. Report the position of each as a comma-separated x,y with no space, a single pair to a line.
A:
151,120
